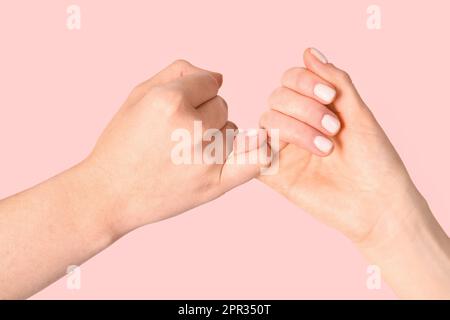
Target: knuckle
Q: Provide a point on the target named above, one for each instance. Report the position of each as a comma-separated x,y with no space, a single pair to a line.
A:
138,88
343,76
169,99
263,120
276,95
312,112
294,73
223,103
172,95
181,65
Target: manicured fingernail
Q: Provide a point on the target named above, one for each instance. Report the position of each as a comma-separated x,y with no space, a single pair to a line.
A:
324,92
330,123
323,144
319,55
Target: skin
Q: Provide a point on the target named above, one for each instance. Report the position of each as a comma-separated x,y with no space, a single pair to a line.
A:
119,186
360,187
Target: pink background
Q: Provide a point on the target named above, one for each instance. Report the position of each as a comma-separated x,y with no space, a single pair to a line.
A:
59,88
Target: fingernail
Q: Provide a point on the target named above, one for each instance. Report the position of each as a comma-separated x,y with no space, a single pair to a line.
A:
324,92
323,144
218,77
330,123
319,55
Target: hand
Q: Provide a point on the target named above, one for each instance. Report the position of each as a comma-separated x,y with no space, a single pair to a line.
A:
130,179
354,181
350,180
134,154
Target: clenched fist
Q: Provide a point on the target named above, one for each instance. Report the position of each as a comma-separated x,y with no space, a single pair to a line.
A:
135,154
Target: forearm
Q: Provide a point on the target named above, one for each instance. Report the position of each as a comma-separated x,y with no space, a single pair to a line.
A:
414,254
47,228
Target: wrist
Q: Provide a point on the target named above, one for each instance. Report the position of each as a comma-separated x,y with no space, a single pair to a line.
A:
404,223
412,251
402,217
91,203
